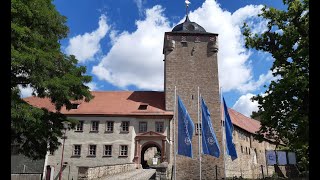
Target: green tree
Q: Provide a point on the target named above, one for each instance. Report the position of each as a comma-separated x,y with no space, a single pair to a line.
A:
284,109
37,61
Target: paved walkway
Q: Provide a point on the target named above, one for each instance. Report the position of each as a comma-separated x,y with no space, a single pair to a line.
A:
138,174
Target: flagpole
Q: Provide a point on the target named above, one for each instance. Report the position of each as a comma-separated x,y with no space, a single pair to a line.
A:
199,132
174,130
223,134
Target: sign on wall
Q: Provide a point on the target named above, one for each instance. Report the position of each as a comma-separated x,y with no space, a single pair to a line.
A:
292,158
282,157
271,157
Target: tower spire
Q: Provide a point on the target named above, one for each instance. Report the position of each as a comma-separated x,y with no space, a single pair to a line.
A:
187,5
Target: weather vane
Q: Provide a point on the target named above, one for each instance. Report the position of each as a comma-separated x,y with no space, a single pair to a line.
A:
187,5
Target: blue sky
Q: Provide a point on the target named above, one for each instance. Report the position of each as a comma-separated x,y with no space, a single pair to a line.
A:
120,42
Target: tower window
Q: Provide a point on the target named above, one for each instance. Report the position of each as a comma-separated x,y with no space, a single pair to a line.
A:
198,128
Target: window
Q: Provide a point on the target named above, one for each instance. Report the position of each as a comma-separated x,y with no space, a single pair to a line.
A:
109,126
79,126
92,150
94,125
125,126
77,150
198,128
249,151
75,106
143,126
246,150
123,150
241,149
51,153
143,107
159,127
107,150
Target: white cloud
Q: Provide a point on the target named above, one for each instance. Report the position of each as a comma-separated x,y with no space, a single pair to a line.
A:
85,46
234,72
25,92
136,58
139,4
253,85
245,106
92,86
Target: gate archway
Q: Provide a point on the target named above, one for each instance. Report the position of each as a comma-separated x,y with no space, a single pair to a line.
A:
143,141
144,148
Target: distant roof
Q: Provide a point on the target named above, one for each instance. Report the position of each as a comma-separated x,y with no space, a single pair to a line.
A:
243,121
188,27
112,103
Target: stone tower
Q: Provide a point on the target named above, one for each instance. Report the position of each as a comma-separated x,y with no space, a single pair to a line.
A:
190,61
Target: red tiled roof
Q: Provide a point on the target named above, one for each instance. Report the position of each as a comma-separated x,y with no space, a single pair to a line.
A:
128,102
243,121
112,103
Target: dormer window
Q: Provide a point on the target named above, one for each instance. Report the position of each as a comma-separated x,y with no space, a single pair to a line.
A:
143,107
75,106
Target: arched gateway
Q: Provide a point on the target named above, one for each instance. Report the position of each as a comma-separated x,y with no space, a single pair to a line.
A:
143,141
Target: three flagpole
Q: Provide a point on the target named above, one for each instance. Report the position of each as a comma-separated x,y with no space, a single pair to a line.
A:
199,132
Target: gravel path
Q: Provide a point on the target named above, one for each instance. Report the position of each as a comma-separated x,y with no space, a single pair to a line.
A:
138,174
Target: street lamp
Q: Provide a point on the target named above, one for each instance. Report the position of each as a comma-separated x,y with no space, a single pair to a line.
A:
65,127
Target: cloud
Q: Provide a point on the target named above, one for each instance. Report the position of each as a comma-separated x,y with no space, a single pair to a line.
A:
234,72
85,46
25,92
92,86
136,58
253,85
139,4
245,106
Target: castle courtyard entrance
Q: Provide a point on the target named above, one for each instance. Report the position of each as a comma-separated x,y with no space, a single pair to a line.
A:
149,145
149,151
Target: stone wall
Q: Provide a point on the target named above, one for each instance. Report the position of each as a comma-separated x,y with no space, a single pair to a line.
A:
250,158
88,173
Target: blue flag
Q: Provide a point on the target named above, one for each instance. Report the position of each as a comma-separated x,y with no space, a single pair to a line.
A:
185,130
209,141
231,150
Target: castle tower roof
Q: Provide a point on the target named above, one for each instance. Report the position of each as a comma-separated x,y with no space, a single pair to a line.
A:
188,27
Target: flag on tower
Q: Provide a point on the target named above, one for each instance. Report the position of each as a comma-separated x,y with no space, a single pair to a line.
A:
185,130
210,144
